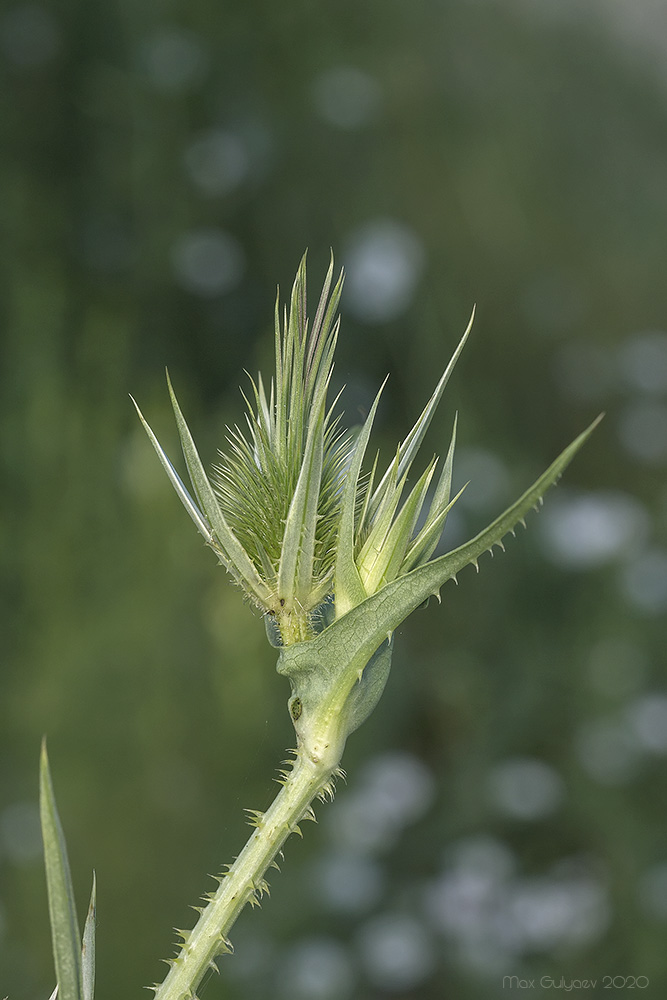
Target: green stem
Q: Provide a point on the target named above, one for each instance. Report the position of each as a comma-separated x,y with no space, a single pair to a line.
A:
244,881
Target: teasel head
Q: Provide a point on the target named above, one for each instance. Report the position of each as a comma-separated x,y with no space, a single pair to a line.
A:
287,509
279,482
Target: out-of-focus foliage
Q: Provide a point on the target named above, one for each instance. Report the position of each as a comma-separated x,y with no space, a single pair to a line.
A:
161,168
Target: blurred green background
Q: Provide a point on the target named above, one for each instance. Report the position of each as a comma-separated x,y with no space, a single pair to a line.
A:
162,168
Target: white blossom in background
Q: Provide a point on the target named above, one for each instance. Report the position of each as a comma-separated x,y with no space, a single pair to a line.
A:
384,260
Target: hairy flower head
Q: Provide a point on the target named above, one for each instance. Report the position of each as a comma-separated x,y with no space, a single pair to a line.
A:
279,484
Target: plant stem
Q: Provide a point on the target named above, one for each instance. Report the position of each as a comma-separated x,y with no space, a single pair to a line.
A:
244,882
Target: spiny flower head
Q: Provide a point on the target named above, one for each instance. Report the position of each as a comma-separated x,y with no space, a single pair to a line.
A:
287,510
279,485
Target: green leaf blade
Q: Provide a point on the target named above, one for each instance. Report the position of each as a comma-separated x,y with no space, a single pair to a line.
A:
62,911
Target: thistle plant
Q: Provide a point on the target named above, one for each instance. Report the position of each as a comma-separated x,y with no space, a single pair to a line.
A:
335,556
